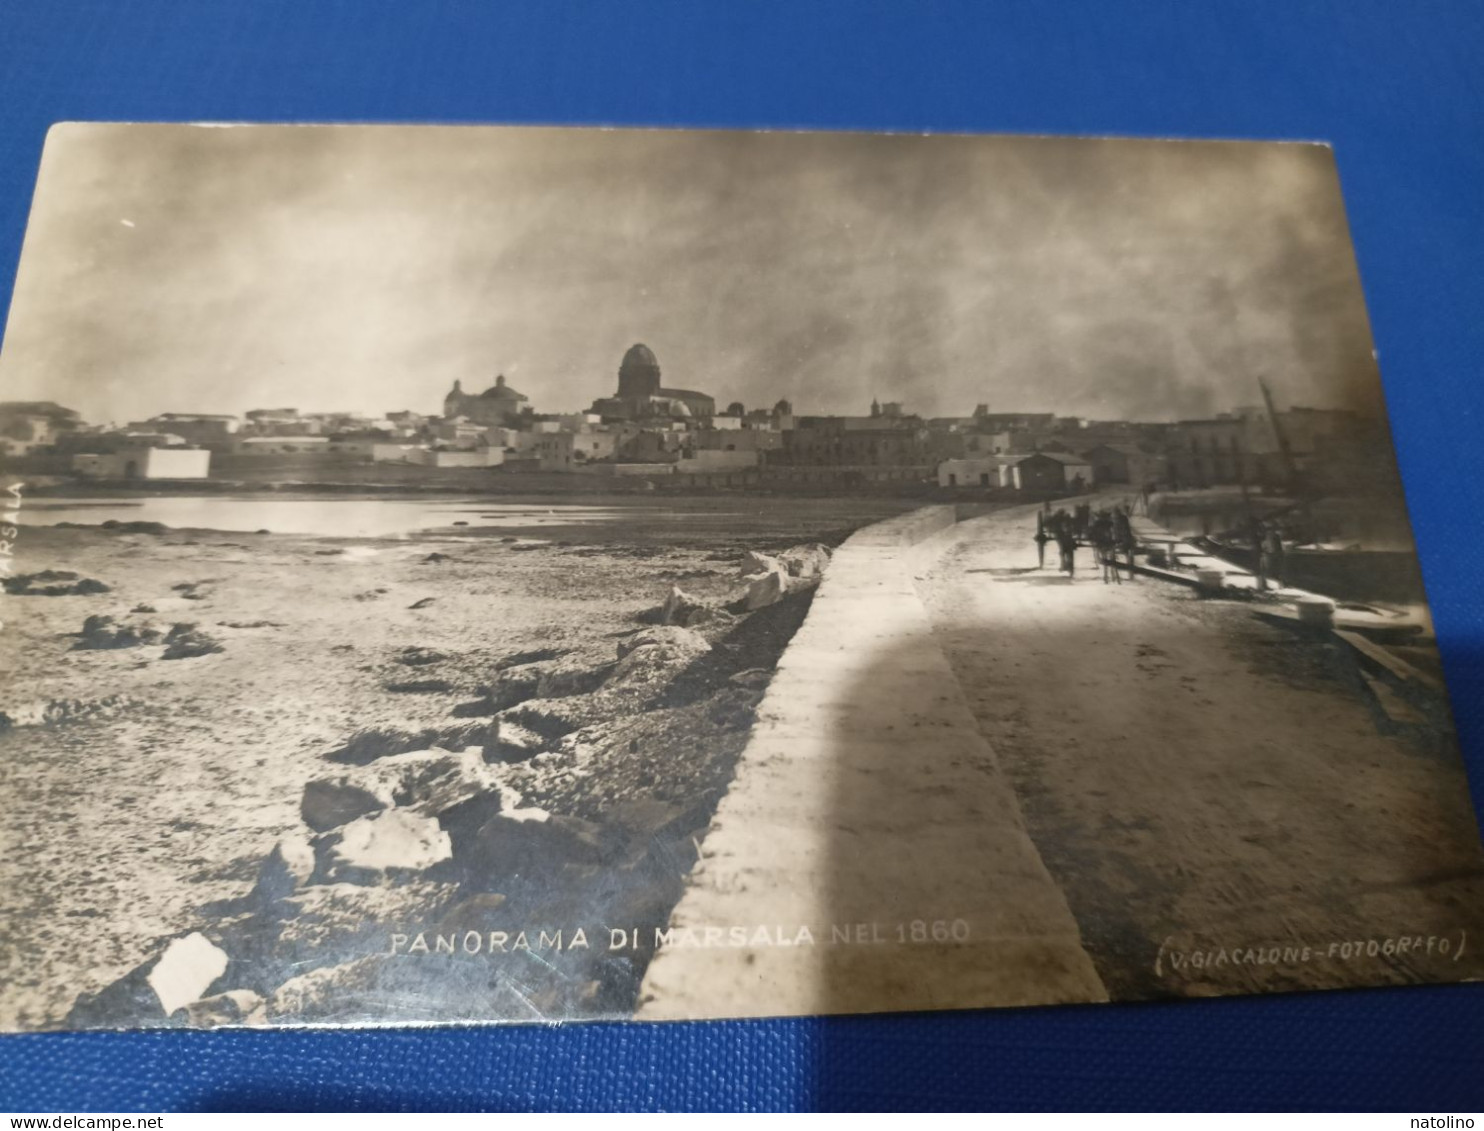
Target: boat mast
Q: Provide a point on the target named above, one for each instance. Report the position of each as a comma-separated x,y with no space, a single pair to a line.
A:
1285,451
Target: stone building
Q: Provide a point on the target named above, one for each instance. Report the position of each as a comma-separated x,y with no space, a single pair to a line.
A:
1124,463
1211,452
1053,471
855,441
144,462
499,406
883,447
280,422
27,426
641,396
199,428
564,451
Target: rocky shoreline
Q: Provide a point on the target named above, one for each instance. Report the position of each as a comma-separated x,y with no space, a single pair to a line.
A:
566,795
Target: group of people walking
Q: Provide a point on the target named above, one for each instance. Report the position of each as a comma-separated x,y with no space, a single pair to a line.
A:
1107,530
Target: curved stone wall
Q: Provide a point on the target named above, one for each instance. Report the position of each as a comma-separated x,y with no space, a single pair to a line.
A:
869,854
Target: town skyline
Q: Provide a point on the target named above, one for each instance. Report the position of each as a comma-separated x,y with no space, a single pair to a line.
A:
381,413
190,269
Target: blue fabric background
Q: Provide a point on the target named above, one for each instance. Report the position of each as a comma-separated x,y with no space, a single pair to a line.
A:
1397,88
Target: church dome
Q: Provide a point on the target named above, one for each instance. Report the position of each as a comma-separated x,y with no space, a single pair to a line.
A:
639,372
640,358
502,392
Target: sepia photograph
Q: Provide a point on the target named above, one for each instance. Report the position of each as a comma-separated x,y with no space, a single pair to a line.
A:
511,574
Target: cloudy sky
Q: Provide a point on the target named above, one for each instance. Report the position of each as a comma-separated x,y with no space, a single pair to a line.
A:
194,269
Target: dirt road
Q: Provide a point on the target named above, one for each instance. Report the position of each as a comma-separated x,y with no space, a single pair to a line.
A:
1212,793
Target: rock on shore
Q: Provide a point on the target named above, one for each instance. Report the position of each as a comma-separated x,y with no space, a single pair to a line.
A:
51,583
575,802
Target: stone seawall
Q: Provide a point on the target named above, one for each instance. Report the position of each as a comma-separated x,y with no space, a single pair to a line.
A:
869,854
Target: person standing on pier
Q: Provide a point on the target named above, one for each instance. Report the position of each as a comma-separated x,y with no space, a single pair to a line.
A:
1270,556
1123,537
1105,546
1066,542
1041,539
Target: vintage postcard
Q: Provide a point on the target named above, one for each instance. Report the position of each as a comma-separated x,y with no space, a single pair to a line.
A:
504,574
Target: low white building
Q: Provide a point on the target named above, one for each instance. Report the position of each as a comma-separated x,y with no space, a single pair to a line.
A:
978,471
512,439
562,451
144,463
461,457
